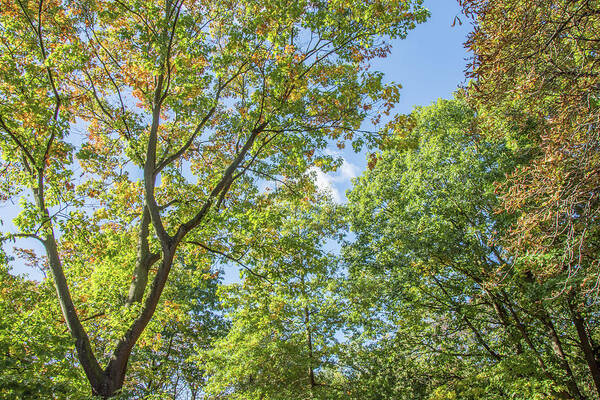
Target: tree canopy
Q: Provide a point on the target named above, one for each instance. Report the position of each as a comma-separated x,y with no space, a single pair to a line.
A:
151,151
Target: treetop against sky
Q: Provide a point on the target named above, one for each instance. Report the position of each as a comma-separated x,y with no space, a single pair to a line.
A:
429,63
207,99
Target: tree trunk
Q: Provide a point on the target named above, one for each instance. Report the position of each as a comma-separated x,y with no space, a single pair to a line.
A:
504,319
311,372
559,352
586,347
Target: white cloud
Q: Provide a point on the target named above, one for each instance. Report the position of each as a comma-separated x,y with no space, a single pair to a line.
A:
335,183
326,183
348,171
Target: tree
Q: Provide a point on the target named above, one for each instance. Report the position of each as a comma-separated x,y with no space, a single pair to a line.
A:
432,287
285,314
186,326
38,360
186,107
537,66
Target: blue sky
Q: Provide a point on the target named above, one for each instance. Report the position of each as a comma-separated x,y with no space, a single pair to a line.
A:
429,64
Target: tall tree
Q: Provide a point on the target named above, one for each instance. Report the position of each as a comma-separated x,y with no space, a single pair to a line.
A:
537,65
285,313
445,299
185,105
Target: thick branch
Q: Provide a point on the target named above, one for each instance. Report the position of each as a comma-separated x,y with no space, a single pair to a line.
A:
189,142
150,166
201,124
82,342
223,184
15,138
115,371
145,259
585,345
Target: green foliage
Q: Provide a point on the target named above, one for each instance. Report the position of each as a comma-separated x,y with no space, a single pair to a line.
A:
152,145
431,287
36,356
285,313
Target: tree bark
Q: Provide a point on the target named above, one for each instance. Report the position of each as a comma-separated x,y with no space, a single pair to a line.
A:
116,368
311,372
559,352
86,357
586,347
144,261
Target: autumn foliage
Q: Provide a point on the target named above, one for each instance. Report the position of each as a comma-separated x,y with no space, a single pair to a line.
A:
536,75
